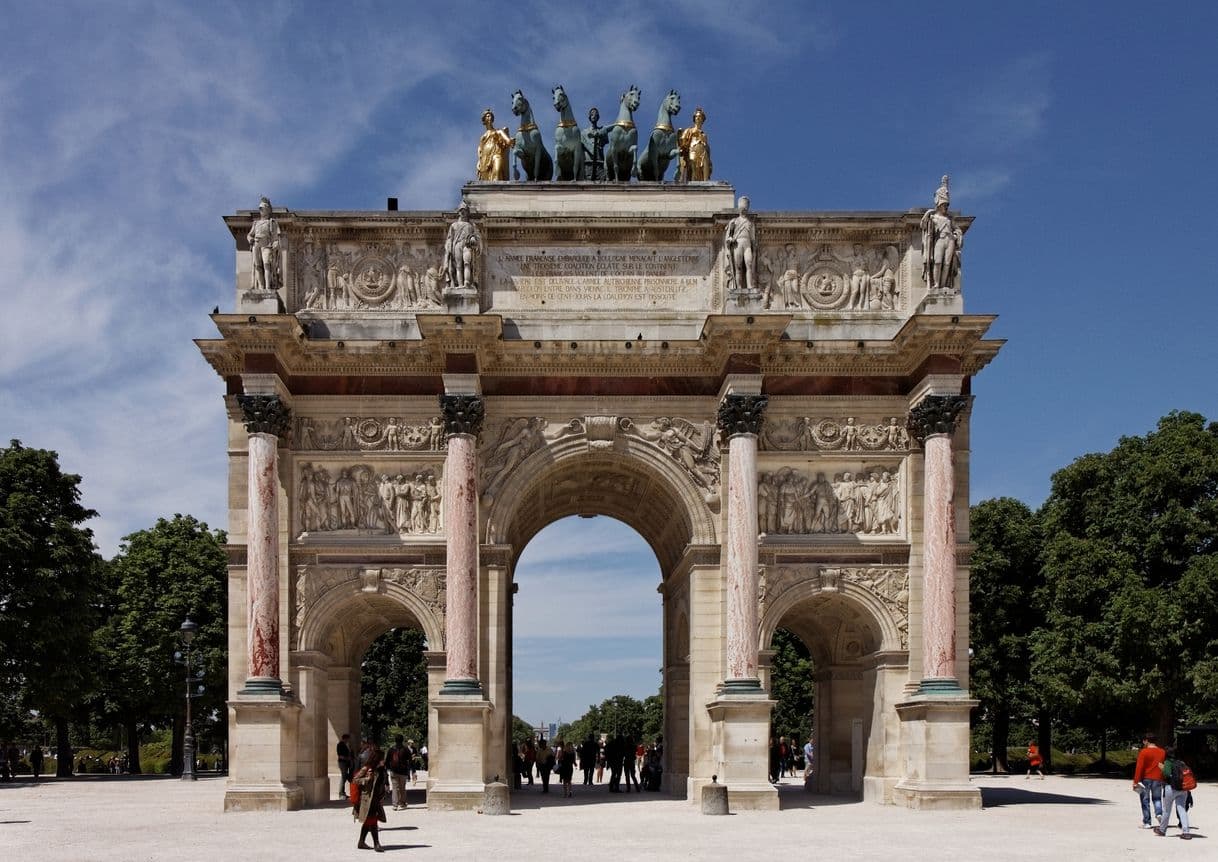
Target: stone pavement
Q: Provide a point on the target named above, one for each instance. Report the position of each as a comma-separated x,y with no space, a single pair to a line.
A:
133,819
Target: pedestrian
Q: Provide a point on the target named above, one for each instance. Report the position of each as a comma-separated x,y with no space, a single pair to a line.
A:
1148,779
628,773
399,771
530,760
6,773
613,754
1035,761
774,759
545,765
809,751
36,762
1177,793
345,762
423,755
368,801
566,767
600,764
588,750
411,752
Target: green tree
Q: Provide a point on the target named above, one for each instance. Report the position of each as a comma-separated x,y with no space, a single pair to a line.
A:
1002,614
618,714
792,686
1130,542
522,731
393,684
48,589
162,574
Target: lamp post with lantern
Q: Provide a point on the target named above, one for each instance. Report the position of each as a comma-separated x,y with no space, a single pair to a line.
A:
193,689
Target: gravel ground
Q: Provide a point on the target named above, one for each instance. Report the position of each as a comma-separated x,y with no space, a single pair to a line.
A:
130,819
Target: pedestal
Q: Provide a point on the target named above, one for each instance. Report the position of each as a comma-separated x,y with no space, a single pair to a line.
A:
745,302
935,740
457,762
260,302
740,729
262,771
461,301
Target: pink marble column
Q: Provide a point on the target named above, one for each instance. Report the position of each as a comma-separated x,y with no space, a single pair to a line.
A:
932,421
463,420
740,418
266,418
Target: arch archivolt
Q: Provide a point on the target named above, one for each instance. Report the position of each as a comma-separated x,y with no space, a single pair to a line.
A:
851,610
339,610
604,465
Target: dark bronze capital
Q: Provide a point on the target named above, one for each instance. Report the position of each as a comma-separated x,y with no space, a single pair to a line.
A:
936,414
742,414
463,414
265,414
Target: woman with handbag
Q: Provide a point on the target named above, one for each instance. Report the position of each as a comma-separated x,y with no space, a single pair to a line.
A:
368,800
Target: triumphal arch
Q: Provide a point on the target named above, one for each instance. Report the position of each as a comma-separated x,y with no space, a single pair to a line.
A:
778,402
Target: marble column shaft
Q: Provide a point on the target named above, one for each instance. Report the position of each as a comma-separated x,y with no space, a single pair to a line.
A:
741,574
461,527
939,560
262,566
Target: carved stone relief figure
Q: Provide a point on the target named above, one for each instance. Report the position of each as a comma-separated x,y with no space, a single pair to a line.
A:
462,249
841,278
371,276
867,502
740,252
690,445
942,243
312,582
428,584
517,439
890,585
368,434
358,500
848,435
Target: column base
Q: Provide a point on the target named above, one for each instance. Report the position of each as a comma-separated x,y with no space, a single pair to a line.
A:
940,687
742,686
262,685
740,731
458,762
461,688
935,740
262,773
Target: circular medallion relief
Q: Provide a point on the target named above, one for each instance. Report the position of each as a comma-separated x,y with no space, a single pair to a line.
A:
373,281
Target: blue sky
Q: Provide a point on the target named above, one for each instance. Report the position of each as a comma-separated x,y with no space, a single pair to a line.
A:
1081,136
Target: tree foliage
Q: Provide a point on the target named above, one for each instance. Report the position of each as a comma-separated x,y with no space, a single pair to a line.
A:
619,714
393,685
160,576
1002,614
792,686
1130,576
49,573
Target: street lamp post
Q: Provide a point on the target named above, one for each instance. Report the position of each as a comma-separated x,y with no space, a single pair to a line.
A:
193,689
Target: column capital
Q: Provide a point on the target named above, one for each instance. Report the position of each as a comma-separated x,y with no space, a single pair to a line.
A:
741,414
463,414
936,414
265,414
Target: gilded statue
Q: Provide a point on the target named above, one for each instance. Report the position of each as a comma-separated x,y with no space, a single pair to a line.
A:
493,149
695,151
941,243
263,239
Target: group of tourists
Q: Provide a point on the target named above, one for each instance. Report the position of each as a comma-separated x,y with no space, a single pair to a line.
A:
786,758
1166,782
10,759
369,775
634,764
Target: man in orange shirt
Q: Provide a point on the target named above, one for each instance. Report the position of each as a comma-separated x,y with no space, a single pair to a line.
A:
1148,779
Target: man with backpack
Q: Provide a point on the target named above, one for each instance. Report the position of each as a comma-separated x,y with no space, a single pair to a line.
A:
399,770
1178,782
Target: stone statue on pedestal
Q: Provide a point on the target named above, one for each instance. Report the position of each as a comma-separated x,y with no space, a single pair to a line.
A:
493,149
695,151
942,242
461,250
263,239
740,245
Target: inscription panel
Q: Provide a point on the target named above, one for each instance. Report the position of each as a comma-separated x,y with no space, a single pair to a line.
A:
602,277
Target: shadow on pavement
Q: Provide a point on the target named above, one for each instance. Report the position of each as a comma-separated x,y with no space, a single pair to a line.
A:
994,797
795,796
531,798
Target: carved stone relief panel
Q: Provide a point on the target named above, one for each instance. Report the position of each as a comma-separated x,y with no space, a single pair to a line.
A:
693,445
368,499
428,584
312,582
351,276
833,277
889,584
866,500
846,434
368,434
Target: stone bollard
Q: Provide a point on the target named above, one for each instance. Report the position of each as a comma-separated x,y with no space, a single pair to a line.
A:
714,797
496,798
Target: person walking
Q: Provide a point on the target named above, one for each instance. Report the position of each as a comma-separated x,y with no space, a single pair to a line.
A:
613,754
545,765
368,801
1035,761
345,760
628,758
588,751
530,760
809,751
399,771
566,768
36,762
1148,779
600,764
1178,783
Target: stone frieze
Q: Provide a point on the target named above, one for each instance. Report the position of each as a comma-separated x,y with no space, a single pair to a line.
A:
368,434
366,499
863,502
806,434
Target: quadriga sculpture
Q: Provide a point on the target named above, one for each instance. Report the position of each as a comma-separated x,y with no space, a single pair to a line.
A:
623,138
661,147
568,145
530,152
